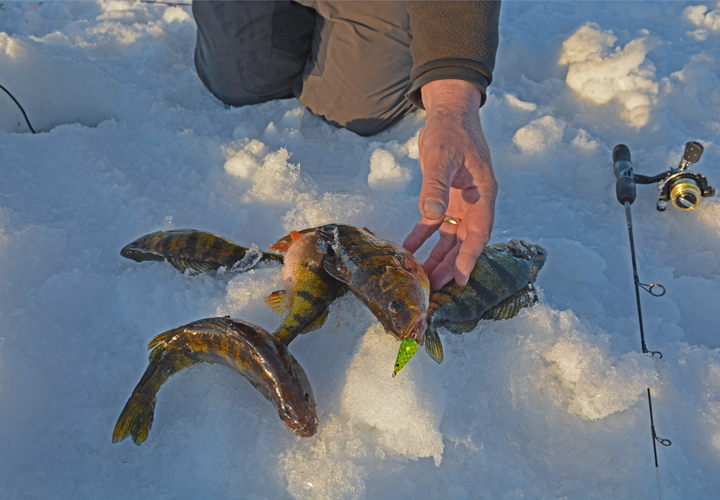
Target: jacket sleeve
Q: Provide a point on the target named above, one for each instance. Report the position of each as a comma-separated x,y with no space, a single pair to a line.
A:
452,40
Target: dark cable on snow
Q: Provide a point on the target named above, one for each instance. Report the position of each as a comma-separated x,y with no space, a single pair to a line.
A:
625,190
21,108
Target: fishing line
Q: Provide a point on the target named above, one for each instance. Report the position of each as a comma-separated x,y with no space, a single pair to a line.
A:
21,108
625,191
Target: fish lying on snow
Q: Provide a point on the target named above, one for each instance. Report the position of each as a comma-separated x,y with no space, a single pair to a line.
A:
241,346
309,289
385,276
499,286
195,251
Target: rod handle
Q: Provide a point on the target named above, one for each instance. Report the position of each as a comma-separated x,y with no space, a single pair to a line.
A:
625,185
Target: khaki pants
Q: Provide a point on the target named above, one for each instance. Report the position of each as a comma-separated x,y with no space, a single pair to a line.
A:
347,62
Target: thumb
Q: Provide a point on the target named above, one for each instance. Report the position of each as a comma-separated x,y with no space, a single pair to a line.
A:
435,191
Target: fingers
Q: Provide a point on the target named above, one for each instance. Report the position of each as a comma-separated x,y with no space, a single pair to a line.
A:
446,249
420,233
459,247
474,232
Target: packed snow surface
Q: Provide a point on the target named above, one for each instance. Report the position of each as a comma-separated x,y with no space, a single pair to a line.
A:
551,404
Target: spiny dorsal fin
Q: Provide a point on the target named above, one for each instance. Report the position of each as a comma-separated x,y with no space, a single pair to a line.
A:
509,307
278,301
433,346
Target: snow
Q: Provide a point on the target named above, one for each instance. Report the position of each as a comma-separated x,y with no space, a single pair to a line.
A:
551,404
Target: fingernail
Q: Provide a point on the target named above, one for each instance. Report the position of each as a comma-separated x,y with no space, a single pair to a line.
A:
434,209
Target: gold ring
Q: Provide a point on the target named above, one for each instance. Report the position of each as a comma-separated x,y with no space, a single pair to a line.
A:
453,221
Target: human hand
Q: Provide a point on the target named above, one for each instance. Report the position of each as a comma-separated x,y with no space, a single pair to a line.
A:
458,182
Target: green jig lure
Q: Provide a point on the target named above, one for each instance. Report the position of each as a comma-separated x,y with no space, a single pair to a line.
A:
408,347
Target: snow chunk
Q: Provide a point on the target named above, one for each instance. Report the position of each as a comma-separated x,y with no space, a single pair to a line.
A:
539,135
386,174
247,161
597,385
330,207
411,147
293,118
175,13
242,165
10,46
583,141
622,76
276,180
706,21
517,103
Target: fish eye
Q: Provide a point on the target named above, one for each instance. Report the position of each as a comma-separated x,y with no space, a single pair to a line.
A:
396,306
307,397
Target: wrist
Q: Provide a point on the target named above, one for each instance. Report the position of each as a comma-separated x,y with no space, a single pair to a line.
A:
451,96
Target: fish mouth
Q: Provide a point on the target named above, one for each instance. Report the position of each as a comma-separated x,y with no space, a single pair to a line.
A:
305,429
416,328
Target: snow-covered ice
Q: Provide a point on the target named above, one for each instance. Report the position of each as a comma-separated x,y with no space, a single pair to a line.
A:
551,404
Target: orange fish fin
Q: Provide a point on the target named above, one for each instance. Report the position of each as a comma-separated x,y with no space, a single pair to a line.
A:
295,236
281,246
277,301
366,229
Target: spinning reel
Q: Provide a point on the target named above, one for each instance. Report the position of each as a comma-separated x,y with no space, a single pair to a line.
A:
682,187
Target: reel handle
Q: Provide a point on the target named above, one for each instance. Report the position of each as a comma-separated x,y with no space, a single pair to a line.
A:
693,152
625,185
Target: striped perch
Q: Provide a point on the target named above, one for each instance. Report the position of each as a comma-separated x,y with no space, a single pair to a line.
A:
244,347
499,286
195,251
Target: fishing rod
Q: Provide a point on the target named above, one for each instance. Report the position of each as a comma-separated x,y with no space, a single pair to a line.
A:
685,189
18,105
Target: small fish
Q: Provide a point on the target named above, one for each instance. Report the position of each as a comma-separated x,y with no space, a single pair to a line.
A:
499,286
408,348
195,251
309,289
385,276
242,346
